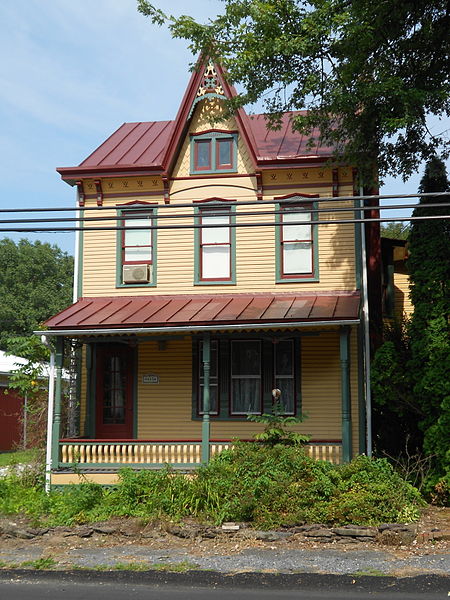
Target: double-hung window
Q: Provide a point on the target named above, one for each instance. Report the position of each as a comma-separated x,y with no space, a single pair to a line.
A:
296,241
214,152
136,248
243,373
245,377
215,245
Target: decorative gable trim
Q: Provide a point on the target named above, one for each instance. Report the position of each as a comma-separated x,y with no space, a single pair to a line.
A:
199,86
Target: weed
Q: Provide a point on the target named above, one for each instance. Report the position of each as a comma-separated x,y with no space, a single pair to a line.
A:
41,563
180,567
369,573
131,567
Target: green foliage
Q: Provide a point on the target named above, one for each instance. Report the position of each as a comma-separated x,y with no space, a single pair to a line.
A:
268,486
35,283
380,67
395,230
275,430
429,268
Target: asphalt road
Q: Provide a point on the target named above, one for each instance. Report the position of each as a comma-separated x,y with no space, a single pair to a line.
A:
203,586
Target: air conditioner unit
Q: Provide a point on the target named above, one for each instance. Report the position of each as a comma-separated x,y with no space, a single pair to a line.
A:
136,273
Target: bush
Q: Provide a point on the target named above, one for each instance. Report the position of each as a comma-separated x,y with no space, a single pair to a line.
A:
267,486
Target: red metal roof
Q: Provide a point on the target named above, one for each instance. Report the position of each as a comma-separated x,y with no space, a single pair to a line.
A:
142,145
221,310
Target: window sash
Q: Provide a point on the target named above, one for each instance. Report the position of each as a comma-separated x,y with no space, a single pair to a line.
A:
200,164
296,243
215,245
246,386
284,374
224,153
137,246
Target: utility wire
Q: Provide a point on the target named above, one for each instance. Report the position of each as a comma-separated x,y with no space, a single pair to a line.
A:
231,202
299,209
221,225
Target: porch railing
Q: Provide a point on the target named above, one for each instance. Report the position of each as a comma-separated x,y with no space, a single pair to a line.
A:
100,453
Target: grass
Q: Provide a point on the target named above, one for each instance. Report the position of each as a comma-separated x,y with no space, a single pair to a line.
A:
369,573
181,567
17,457
41,563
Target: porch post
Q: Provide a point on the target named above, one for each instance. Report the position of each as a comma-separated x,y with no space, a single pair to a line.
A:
56,429
206,426
344,346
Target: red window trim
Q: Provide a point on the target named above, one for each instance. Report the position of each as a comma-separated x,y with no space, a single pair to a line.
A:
224,166
203,211
289,208
136,213
207,167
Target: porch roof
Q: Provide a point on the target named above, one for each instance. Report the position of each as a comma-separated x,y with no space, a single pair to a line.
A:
218,311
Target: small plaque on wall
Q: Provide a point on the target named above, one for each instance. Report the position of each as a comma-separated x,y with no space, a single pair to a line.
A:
150,378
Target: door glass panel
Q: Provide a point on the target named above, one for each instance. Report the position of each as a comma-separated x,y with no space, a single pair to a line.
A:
114,390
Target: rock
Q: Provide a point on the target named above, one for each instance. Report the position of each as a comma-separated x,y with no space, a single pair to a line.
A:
349,531
105,529
271,536
318,533
24,534
397,536
304,528
83,531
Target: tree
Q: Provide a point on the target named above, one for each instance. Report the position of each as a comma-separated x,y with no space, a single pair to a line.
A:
395,230
35,283
379,67
429,268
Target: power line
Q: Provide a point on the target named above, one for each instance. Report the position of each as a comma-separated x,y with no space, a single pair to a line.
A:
231,202
300,209
221,225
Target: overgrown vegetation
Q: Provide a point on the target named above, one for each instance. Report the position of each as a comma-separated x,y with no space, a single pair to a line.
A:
276,430
411,370
267,486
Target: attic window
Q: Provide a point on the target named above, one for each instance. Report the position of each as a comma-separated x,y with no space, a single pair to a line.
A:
214,152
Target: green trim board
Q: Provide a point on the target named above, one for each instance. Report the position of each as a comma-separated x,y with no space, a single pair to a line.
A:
344,354
153,275
358,247
315,237
56,422
197,249
80,260
213,137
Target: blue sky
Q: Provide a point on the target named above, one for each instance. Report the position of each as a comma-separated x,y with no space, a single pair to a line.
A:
71,73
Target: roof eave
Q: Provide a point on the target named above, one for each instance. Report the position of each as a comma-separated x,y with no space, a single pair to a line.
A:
198,328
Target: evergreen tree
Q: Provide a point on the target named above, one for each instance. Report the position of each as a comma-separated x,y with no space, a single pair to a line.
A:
429,267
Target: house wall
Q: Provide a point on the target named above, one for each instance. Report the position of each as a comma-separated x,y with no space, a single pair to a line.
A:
402,302
165,409
255,246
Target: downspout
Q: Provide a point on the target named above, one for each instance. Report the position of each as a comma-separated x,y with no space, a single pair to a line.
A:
51,404
366,342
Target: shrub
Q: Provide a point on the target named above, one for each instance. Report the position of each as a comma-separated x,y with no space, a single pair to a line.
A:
268,486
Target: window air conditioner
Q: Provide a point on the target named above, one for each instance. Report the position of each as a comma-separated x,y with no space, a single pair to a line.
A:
136,273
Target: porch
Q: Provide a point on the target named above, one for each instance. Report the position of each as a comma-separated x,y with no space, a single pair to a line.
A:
143,454
179,394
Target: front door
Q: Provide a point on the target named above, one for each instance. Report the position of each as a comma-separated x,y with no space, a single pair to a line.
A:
114,392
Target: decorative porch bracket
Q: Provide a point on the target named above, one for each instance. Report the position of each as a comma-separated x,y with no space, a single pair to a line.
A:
59,351
344,347
206,424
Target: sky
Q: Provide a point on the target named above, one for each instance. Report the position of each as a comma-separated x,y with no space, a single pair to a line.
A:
71,73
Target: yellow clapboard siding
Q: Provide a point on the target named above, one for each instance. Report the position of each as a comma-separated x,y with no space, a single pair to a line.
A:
255,259
402,301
